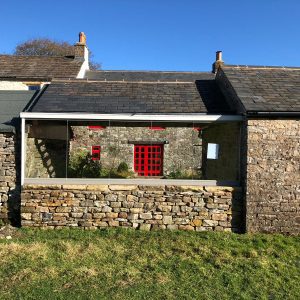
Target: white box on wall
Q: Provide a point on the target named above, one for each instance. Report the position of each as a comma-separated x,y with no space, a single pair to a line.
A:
212,151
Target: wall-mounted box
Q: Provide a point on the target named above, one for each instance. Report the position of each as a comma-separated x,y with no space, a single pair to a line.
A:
96,151
212,151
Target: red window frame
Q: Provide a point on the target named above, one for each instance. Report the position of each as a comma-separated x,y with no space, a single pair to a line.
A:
156,128
96,127
148,160
96,152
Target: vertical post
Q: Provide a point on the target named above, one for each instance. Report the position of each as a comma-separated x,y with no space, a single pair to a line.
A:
67,149
23,150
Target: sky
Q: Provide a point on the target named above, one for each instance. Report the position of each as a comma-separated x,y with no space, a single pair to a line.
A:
175,35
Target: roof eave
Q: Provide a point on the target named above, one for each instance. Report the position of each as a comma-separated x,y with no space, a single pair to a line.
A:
200,117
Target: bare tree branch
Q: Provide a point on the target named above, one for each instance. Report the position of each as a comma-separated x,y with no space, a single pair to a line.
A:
47,47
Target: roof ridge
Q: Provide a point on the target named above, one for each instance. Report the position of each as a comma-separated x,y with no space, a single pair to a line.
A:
43,56
73,80
260,67
150,71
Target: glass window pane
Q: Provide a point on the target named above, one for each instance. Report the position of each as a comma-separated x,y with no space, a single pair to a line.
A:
46,148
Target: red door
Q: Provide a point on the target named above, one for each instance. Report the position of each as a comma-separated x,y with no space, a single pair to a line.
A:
148,160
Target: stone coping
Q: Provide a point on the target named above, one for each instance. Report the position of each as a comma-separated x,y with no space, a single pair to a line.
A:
123,182
117,187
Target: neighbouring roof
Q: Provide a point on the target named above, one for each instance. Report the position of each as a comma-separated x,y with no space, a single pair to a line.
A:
165,76
38,67
265,89
200,96
12,103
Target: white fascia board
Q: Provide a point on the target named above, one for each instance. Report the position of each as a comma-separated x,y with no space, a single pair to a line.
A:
133,117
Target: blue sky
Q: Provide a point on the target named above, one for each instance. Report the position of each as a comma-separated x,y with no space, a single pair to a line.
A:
162,34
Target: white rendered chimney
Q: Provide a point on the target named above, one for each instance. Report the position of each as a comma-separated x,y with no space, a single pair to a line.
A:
82,53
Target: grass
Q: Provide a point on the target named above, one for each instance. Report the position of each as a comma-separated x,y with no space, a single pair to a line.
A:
128,264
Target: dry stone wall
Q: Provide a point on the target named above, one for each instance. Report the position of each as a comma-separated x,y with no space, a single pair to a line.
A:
9,191
273,176
143,207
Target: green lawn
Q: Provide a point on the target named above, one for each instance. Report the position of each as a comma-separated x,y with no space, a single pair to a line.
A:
128,264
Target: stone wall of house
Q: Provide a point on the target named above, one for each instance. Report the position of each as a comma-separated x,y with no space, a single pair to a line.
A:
9,189
144,207
227,166
182,145
273,176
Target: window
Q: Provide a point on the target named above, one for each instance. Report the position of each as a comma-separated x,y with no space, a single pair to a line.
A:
212,151
96,150
148,160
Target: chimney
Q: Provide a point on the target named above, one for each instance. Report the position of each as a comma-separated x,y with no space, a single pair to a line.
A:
82,55
218,63
81,50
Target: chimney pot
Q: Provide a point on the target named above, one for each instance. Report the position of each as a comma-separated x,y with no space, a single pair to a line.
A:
218,63
82,38
219,56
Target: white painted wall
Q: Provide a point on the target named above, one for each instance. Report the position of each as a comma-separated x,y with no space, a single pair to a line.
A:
85,64
13,85
18,86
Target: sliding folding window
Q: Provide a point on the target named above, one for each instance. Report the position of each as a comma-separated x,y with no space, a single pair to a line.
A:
102,149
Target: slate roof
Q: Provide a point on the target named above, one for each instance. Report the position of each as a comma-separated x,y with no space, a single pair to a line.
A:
12,103
202,96
265,89
38,67
165,76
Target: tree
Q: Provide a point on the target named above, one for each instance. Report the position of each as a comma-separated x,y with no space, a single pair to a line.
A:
47,47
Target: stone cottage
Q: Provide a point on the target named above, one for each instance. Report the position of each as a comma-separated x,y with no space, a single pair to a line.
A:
176,150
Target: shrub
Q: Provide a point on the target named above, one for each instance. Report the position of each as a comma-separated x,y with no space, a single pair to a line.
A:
82,166
123,167
188,174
